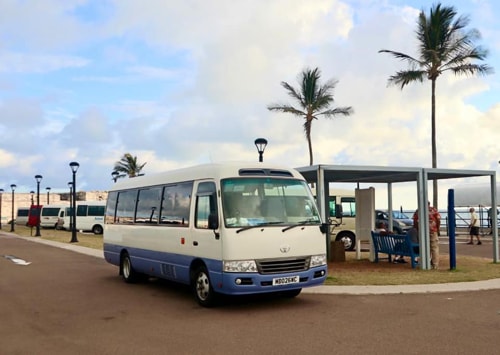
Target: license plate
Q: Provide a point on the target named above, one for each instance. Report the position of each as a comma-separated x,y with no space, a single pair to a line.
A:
286,280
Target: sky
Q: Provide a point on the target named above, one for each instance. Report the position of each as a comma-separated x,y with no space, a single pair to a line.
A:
180,83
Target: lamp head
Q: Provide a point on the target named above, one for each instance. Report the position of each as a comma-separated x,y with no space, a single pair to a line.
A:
261,144
38,178
74,166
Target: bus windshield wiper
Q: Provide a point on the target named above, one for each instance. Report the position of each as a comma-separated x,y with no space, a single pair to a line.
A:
259,225
301,223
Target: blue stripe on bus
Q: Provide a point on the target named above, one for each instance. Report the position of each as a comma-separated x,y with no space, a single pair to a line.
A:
176,267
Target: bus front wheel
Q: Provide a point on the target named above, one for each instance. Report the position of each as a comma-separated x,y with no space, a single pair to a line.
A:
202,287
127,271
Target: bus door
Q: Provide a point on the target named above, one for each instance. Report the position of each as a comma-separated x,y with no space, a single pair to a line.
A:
205,232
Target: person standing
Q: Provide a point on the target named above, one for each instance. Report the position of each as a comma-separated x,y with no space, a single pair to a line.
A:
492,218
474,227
434,225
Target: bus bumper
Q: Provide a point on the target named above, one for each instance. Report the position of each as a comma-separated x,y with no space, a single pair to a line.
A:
247,283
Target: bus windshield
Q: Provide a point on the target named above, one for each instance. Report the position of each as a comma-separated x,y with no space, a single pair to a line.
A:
267,201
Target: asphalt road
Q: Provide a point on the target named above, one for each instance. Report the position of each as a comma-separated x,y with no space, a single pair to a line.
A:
69,303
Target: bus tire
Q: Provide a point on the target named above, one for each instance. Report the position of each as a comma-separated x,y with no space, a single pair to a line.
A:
349,240
202,287
127,271
97,229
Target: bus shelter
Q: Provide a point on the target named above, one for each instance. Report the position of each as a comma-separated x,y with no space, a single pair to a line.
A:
322,175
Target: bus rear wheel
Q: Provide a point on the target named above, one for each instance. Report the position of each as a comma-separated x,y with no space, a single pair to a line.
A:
202,287
127,271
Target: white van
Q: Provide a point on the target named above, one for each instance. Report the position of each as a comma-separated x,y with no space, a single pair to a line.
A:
89,216
52,216
22,216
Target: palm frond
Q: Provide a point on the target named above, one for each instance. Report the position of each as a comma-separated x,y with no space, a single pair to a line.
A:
405,77
286,109
345,111
293,93
128,165
402,56
472,69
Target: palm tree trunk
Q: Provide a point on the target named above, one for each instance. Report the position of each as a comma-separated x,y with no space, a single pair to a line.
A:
310,150
434,152
309,142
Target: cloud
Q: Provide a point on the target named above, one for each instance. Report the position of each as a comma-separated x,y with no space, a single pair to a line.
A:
38,63
181,83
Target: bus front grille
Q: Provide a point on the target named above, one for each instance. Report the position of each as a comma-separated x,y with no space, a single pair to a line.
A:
274,266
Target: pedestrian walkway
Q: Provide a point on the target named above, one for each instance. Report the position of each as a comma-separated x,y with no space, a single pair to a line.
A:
493,284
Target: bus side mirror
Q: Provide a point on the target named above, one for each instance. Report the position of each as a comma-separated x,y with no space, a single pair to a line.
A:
213,221
338,211
323,227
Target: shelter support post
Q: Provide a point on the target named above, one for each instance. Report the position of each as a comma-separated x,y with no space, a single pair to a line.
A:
451,229
423,217
389,205
494,226
324,208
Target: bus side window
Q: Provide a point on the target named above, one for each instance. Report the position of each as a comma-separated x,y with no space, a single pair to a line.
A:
206,206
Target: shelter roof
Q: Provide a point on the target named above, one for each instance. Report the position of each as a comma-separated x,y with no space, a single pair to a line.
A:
384,174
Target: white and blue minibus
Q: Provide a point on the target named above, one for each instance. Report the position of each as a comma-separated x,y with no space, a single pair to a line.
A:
230,228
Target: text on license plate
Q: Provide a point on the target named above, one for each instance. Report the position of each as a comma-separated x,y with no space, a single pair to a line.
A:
286,280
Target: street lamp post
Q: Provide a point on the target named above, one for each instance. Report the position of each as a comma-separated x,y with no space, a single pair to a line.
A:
13,188
115,174
70,185
74,168
1,195
32,193
261,144
48,194
38,179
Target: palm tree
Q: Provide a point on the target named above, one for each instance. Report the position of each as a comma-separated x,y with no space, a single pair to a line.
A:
128,166
444,45
314,100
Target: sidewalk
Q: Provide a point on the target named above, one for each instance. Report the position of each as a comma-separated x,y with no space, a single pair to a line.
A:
493,284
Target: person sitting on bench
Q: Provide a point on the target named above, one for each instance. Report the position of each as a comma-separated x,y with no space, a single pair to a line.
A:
382,231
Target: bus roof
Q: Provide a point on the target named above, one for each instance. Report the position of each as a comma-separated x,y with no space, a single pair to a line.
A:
209,171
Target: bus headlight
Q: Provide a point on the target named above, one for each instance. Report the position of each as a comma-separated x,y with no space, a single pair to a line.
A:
318,260
240,266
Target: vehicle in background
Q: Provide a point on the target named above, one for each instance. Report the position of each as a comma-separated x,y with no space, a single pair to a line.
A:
22,216
344,228
51,216
401,223
89,216
34,215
